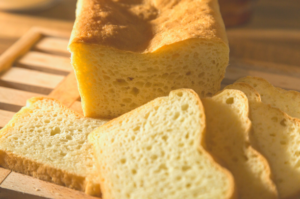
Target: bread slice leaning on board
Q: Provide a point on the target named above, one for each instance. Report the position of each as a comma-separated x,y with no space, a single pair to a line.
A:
48,141
136,52
227,139
287,101
155,151
276,136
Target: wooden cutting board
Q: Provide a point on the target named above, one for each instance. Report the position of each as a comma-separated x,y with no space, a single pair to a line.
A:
39,65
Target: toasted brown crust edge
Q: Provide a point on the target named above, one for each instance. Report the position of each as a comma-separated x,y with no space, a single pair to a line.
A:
216,28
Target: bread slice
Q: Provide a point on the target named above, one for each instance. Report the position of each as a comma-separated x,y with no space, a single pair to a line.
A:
48,141
252,95
155,152
287,101
126,54
276,136
227,140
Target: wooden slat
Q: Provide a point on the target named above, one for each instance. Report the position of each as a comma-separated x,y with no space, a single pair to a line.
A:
45,62
25,184
262,34
10,107
281,69
53,46
58,33
3,174
76,106
282,81
265,51
16,97
19,48
66,91
30,80
12,194
5,117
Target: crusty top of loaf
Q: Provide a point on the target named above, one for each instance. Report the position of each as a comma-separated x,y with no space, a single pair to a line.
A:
146,25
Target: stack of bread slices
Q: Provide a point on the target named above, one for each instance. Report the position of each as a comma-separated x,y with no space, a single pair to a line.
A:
240,143
154,69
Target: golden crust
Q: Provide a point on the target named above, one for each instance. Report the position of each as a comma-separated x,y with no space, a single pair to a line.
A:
41,171
145,26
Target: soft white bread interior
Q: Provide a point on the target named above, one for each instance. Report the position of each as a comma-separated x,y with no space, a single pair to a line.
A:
227,140
126,54
155,152
276,136
48,141
287,101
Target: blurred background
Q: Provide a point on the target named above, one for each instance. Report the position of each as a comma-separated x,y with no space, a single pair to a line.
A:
260,32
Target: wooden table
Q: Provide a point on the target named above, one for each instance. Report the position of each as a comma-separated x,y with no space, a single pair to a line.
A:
267,46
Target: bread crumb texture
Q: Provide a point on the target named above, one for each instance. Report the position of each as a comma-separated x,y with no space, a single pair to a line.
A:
227,140
278,139
154,152
48,141
287,101
126,54
276,136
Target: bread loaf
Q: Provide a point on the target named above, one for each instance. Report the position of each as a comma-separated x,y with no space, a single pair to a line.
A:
127,53
228,141
48,141
287,101
155,152
276,136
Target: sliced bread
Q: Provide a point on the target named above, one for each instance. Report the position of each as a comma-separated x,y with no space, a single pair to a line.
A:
287,101
155,152
227,140
127,53
276,136
48,141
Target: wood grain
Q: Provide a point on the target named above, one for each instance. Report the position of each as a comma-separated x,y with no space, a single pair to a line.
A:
56,33
25,184
276,68
16,97
45,63
66,92
12,194
31,77
3,174
53,45
267,51
5,117
261,34
282,81
18,49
